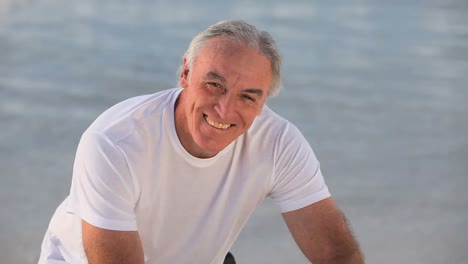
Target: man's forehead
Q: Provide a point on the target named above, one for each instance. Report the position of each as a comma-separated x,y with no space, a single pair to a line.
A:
219,57
226,46
221,41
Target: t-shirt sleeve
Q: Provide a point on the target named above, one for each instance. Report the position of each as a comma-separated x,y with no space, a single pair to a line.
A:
102,191
298,180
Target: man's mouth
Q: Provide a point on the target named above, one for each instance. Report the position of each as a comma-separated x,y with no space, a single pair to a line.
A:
216,124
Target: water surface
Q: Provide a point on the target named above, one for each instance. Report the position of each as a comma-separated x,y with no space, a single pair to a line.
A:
379,89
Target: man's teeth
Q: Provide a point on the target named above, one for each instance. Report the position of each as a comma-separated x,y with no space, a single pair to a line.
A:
216,124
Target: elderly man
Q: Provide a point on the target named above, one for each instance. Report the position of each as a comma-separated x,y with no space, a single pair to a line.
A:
172,177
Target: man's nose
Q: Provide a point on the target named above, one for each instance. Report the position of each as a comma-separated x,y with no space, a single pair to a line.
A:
225,106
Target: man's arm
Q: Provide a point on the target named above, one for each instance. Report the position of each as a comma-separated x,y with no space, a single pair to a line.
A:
108,246
323,235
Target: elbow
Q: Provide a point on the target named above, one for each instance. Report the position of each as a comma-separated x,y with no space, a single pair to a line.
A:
347,255
351,255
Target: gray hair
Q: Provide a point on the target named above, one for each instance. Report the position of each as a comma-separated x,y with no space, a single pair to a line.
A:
247,35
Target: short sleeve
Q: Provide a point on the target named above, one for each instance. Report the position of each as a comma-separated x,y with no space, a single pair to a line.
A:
298,180
102,191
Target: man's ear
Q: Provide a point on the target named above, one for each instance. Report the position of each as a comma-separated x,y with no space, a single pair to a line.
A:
184,74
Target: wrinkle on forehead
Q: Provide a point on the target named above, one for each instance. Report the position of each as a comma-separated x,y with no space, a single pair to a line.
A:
229,46
233,61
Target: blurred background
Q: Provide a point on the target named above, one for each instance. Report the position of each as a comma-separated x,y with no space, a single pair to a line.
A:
379,88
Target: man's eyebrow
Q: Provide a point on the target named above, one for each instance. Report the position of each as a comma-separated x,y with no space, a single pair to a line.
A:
258,92
215,75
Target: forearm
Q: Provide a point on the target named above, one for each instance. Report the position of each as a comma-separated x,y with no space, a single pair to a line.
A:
352,255
348,253
355,257
342,249
323,234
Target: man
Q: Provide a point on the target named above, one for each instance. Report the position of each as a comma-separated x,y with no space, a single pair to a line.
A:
173,177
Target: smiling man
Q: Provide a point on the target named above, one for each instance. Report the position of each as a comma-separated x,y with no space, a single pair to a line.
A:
173,177
225,90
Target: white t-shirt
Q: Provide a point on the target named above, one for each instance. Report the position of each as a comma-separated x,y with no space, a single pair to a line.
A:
132,173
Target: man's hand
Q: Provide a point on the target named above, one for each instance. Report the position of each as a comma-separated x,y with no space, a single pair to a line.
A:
104,246
323,235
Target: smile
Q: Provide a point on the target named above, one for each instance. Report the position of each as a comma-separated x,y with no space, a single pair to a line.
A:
216,124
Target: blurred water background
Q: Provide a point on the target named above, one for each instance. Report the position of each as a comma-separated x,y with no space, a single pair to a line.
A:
379,88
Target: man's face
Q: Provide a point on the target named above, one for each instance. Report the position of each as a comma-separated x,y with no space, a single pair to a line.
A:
224,90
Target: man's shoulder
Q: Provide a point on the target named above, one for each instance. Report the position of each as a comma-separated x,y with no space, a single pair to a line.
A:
126,116
270,121
154,101
272,127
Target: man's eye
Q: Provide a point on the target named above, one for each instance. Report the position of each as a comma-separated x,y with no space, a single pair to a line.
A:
249,98
216,88
215,85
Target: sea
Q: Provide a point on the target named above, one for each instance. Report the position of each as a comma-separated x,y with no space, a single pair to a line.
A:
378,88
